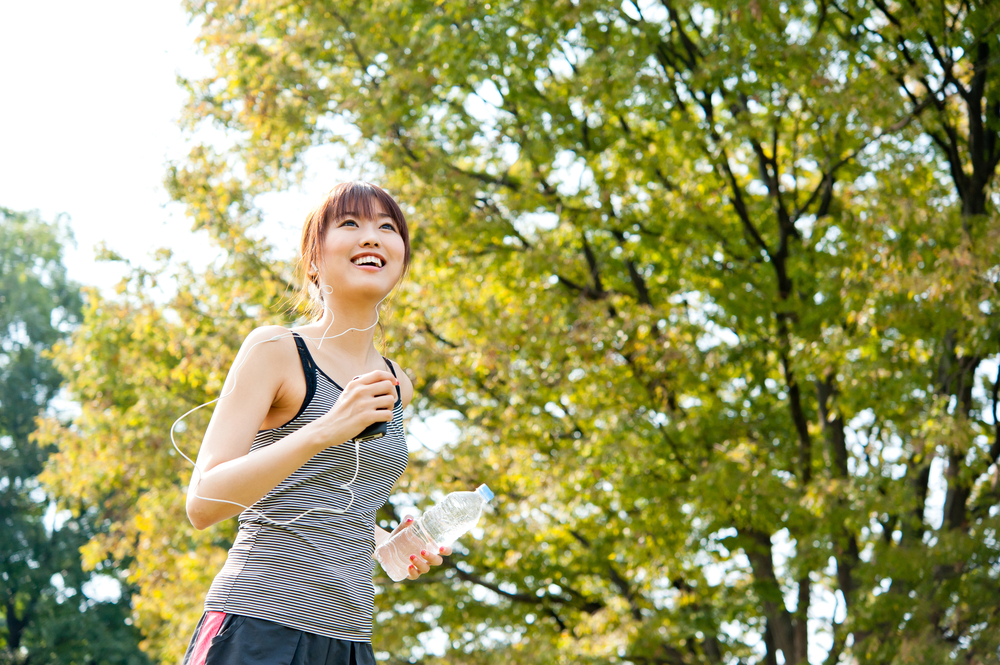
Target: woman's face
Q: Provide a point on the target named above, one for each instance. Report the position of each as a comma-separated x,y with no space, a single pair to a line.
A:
362,256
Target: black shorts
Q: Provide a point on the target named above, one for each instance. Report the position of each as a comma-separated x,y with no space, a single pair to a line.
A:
233,639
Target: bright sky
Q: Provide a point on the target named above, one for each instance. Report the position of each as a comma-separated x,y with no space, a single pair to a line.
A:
89,115
89,110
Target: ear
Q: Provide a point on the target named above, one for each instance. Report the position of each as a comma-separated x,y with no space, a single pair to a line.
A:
313,273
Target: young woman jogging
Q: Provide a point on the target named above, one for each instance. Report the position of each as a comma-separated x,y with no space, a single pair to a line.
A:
283,452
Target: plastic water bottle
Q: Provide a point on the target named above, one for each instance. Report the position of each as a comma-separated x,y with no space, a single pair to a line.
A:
440,526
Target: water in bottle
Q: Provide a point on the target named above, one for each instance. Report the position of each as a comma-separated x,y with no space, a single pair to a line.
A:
440,526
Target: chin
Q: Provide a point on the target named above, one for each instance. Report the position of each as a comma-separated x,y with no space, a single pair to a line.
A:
373,290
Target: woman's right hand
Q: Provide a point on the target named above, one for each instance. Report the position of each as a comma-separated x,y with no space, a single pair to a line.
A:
366,399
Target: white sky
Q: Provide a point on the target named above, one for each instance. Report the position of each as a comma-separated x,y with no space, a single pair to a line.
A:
89,105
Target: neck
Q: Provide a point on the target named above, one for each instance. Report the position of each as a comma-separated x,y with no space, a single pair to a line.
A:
340,317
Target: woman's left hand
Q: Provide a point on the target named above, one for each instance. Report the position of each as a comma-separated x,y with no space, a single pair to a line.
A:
421,563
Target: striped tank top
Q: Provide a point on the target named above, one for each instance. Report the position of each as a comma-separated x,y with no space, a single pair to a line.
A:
314,574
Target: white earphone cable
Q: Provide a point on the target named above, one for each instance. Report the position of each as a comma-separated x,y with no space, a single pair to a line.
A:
357,444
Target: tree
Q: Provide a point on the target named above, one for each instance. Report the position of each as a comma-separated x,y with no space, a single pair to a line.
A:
135,364
711,289
46,617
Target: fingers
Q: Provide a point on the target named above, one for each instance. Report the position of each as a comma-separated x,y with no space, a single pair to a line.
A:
374,377
427,558
382,406
418,563
381,409
432,558
378,398
375,390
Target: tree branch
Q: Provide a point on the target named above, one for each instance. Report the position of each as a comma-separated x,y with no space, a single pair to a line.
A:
430,331
740,206
798,417
757,546
589,606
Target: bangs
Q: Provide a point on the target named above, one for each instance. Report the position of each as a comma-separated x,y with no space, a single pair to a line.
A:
362,200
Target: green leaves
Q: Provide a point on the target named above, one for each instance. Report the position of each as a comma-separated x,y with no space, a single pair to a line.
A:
709,290
46,616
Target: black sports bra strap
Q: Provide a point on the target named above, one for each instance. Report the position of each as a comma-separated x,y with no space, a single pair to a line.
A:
304,355
308,365
399,393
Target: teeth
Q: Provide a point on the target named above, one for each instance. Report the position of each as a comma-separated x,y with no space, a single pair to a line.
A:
374,260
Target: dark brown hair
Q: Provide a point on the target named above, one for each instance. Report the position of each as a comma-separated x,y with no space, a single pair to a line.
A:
358,199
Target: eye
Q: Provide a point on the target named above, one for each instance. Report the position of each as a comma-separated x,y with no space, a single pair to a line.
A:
390,225
348,221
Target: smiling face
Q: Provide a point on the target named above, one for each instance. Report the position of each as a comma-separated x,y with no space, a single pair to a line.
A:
363,255
356,241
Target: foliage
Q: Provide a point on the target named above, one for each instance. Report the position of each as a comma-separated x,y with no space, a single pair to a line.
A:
136,365
46,618
710,289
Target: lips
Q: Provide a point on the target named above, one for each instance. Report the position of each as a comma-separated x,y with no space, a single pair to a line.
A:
368,260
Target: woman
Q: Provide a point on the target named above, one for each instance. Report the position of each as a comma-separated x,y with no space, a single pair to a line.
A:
296,587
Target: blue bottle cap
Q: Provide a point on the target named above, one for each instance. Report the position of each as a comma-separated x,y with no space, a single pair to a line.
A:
485,492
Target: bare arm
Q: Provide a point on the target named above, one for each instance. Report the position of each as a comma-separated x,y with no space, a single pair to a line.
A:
226,471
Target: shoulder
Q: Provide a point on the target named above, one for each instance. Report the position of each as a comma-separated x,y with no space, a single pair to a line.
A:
269,334
405,385
268,344
262,366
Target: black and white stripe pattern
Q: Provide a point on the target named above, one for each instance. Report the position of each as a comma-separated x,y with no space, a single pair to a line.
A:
314,574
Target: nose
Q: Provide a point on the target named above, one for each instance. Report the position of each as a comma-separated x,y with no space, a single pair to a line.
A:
369,238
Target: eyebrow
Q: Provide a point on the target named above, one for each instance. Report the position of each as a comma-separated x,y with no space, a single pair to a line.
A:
352,213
